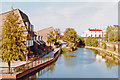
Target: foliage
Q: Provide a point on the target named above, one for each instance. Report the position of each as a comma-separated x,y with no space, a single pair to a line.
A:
104,45
119,34
114,47
66,49
91,42
71,36
57,34
13,41
58,43
111,34
51,38
82,40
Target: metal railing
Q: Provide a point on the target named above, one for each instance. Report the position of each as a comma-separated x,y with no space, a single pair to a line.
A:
26,66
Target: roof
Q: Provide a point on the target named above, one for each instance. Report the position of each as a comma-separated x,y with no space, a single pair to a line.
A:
9,11
49,28
95,29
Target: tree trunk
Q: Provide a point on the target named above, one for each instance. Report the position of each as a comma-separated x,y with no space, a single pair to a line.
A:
9,66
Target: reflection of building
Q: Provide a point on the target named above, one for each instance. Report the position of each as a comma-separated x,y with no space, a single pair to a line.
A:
99,58
44,33
98,33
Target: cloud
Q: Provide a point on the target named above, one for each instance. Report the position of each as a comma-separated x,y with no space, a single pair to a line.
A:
80,16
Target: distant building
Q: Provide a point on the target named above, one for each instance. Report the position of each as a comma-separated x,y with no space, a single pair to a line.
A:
44,33
97,33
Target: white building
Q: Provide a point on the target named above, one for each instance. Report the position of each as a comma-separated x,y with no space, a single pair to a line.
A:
98,33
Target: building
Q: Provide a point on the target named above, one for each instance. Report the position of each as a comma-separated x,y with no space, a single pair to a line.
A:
32,42
44,33
97,33
25,22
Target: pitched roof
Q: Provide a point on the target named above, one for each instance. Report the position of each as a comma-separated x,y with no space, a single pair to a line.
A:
49,28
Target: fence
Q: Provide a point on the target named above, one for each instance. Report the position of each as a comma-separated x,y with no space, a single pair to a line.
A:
24,67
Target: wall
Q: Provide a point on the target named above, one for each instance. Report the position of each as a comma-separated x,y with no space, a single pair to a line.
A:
44,33
109,45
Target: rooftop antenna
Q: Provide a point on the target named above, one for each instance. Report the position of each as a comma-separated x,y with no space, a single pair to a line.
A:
12,7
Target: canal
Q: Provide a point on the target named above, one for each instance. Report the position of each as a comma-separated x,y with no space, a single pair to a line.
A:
82,63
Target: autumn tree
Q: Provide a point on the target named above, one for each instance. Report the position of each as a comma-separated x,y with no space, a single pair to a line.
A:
57,34
13,41
111,34
91,42
70,35
51,38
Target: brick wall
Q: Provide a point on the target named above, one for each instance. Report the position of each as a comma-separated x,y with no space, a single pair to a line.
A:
44,33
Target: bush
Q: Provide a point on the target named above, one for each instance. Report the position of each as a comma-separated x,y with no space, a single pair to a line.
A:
114,47
66,50
104,45
91,42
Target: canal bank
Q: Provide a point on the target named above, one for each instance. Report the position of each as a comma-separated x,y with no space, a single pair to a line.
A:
32,67
114,54
82,63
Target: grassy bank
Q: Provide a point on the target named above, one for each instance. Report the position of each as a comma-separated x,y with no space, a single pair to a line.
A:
66,50
103,50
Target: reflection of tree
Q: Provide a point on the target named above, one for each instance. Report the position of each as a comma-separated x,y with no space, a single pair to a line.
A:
33,77
41,72
109,63
51,67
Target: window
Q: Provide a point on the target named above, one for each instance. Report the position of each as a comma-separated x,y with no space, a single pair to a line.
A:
95,35
99,35
91,35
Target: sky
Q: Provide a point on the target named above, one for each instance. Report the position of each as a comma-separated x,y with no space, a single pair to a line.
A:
77,15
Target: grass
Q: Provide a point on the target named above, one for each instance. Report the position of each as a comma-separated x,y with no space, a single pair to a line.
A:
66,50
70,56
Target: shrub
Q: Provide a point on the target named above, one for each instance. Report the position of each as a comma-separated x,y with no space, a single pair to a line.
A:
114,47
66,50
91,42
104,45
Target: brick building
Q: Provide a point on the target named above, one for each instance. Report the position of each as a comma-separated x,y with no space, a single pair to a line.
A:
44,33
31,42
34,42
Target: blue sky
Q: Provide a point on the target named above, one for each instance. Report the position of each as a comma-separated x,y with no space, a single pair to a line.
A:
78,15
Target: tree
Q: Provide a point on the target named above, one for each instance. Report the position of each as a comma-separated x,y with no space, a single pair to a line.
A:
70,35
57,34
91,42
111,34
119,34
51,38
13,39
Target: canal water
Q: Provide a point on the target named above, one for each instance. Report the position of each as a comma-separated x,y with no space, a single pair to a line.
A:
82,63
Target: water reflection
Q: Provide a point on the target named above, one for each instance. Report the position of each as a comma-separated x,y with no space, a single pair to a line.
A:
76,57
82,63
109,59
48,69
